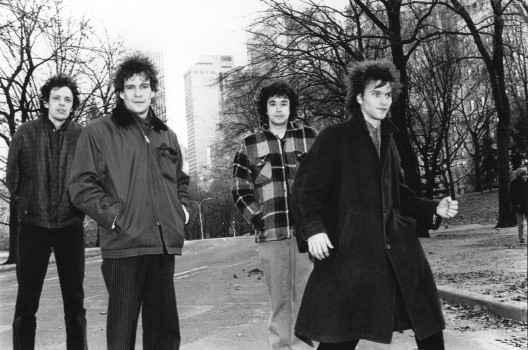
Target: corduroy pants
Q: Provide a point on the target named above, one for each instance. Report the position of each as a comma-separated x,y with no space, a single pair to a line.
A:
141,283
286,271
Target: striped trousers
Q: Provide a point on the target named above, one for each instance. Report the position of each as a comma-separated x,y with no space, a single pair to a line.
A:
141,283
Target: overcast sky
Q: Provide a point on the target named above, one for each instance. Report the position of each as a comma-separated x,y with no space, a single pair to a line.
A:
181,29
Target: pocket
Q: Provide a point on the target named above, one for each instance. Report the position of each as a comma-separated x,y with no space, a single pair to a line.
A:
405,224
25,199
261,170
168,162
348,231
120,221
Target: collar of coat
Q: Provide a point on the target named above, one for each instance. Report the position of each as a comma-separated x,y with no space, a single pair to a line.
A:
387,126
50,125
291,126
123,117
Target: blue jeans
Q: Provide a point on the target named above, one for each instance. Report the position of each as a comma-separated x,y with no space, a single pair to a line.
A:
34,250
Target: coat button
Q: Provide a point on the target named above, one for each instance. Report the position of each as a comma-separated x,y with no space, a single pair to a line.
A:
388,246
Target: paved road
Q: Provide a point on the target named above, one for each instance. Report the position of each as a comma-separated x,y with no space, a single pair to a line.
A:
222,301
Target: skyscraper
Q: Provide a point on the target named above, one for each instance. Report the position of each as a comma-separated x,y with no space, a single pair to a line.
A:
203,94
158,104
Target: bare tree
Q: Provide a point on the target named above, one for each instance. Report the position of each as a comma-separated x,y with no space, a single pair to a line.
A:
484,32
433,85
24,24
476,117
38,40
516,55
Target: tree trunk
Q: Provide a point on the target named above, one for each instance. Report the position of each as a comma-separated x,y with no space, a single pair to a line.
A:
503,160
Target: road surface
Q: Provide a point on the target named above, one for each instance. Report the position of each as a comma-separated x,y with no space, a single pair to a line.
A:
222,301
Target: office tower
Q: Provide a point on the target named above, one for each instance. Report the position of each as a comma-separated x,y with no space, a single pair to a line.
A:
158,104
203,98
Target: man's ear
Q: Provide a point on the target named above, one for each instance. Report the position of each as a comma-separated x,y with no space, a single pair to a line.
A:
359,99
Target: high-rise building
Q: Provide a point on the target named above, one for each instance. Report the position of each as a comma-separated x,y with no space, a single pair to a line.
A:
158,104
203,99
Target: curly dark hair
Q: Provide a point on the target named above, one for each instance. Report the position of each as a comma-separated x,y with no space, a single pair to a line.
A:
58,81
361,74
278,88
135,64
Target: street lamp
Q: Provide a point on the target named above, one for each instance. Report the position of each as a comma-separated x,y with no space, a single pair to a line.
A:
200,213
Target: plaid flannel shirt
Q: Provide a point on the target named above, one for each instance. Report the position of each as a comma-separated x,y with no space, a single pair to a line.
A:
263,173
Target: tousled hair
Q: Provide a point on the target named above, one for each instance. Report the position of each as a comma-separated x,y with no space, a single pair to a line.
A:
278,88
363,73
56,82
135,64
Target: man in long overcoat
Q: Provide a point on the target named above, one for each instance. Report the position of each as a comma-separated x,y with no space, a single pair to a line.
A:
351,203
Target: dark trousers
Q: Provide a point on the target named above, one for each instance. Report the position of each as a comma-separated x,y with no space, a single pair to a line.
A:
434,342
34,250
141,283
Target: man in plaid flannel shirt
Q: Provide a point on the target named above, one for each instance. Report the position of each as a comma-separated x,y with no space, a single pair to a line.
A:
263,173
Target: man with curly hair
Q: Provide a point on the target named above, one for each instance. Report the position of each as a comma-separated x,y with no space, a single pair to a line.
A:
263,172
37,173
127,175
352,205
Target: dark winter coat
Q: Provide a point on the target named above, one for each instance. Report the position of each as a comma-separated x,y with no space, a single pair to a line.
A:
519,195
362,203
37,172
122,173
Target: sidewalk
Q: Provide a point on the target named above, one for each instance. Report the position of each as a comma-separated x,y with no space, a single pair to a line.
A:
471,240
478,256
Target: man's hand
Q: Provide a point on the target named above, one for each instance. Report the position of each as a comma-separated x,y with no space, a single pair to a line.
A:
318,245
447,208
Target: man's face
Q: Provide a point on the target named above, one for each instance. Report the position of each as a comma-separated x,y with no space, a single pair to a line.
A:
375,101
278,110
137,95
525,176
59,105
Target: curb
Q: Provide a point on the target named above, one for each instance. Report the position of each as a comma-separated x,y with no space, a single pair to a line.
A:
469,229
504,309
89,252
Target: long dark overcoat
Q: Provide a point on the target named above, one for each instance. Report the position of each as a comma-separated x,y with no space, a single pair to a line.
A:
361,201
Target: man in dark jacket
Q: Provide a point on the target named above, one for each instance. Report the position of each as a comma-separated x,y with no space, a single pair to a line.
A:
127,175
519,199
38,169
351,203
263,172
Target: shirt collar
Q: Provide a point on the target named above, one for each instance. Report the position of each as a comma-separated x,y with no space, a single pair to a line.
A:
146,121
